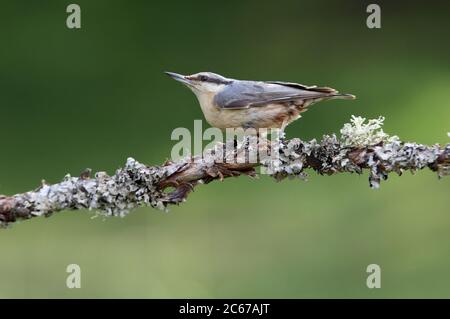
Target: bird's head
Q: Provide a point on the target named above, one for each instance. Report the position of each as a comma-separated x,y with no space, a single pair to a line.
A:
202,82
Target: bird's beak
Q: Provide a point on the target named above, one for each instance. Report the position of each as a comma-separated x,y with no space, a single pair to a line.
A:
179,78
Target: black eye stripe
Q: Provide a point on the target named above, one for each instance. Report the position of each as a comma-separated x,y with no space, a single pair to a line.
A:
205,78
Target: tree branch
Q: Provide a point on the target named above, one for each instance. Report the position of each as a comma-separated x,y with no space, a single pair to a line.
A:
361,146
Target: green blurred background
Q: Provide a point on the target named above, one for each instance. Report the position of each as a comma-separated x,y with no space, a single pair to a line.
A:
71,99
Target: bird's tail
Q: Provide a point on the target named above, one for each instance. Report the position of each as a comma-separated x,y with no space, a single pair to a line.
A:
330,93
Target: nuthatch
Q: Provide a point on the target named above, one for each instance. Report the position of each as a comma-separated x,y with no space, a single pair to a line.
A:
230,103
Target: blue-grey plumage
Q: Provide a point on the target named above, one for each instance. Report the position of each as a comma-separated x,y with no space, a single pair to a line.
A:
231,103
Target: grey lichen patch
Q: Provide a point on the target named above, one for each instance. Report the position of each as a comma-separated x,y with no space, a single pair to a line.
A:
133,185
325,157
398,157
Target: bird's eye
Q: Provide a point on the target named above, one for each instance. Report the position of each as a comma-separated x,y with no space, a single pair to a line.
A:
203,78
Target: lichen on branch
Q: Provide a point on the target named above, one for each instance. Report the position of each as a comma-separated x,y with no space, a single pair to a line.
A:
362,145
358,133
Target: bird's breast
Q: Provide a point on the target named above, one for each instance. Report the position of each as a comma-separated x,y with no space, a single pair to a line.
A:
269,116
211,112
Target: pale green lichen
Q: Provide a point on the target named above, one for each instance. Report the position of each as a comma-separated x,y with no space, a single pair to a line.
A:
358,133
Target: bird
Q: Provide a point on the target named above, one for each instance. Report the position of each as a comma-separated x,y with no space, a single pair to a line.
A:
230,103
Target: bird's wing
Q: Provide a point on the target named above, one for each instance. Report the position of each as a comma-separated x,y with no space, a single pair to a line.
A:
246,94
315,88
